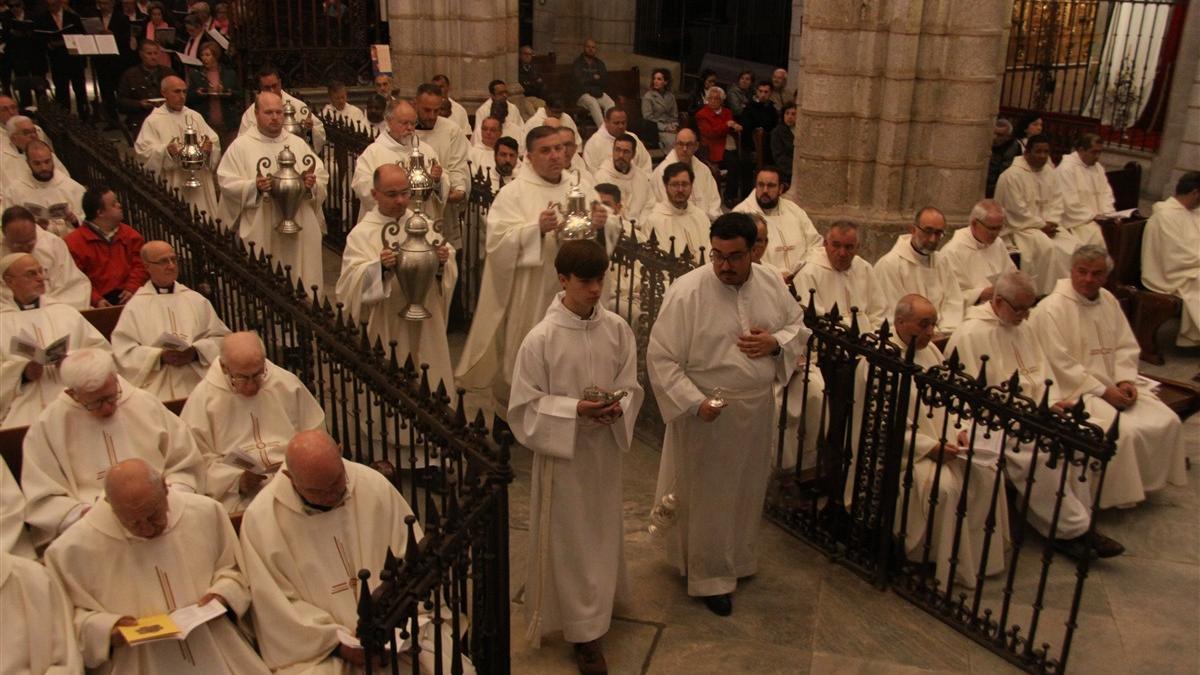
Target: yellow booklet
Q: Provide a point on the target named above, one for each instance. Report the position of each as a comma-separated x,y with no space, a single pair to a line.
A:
174,626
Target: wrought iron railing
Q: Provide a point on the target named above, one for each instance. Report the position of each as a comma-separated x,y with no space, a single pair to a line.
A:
866,501
383,412
344,142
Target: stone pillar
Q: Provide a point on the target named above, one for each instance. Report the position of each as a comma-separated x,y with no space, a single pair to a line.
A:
896,100
1179,151
561,26
472,42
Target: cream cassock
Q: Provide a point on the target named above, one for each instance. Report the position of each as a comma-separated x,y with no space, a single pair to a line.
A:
39,626
599,148
260,213
705,194
1086,195
64,282
512,126
452,148
636,195
181,312
902,271
387,150
249,121
789,230
1090,347
21,402
375,296
538,119
518,276
719,470
1031,199
68,452
576,565
975,266
221,420
109,573
61,189
162,126
351,114
854,287
689,227
303,568
14,538
1016,349
1171,262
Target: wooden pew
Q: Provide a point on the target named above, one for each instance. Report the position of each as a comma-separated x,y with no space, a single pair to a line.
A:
1146,310
624,86
104,319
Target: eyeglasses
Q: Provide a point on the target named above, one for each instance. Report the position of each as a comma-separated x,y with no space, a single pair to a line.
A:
239,380
931,232
719,258
93,406
1018,310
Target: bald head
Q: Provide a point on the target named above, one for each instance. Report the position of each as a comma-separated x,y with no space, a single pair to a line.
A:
138,496
268,113
161,263
152,250
170,82
685,145
242,348
315,467
20,235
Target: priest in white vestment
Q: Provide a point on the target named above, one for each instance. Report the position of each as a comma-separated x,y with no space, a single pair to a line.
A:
14,538
249,407
1092,352
452,148
705,193
677,216
1171,253
481,158
726,335
168,334
371,290
247,194
939,449
499,165
792,233
339,108
511,122
1087,195
160,142
397,144
27,386
98,421
977,255
840,276
1032,198
998,330
458,114
914,265
621,170
55,199
550,111
518,275
576,567
306,536
269,81
20,131
145,550
600,146
64,282
39,621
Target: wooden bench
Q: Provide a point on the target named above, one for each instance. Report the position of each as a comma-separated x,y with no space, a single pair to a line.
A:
1146,310
104,319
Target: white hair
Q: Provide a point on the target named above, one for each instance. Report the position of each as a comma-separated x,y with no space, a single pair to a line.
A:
15,121
716,89
1009,285
984,208
87,370
1091,252
1002,123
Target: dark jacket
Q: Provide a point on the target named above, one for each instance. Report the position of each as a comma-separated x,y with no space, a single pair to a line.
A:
530,81
783,146
588,77
758,116
23,50
51,37
136,84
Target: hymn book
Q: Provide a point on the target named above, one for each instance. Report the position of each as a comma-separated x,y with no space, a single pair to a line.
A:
51,354
174,626
172,342
248,461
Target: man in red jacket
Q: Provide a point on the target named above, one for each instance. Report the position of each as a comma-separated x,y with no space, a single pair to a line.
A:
107,250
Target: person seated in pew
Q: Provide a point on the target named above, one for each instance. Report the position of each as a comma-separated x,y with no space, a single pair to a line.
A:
914,265
304,538
1032,198
976,253
39,634
98,421
64,282
792,233
677,217
1092,353
1087,196
46,189
622,169
840,276
1171,253
30,322
14,537
168,334
107,250
146,550
241,416
600,146
998,330
15,135
705,193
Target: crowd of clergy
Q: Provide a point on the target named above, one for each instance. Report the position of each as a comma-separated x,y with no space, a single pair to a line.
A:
124,509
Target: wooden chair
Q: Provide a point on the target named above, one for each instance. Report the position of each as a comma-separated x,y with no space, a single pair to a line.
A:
1146,310
104,319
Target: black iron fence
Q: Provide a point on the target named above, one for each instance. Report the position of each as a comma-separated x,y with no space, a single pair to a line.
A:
383,412
1108,62
311,41
344,142
947,533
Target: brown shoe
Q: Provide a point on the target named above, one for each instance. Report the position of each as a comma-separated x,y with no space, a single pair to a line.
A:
590,658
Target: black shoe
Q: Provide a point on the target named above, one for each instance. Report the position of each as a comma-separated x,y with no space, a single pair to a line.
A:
721,605
1078,548
1105,547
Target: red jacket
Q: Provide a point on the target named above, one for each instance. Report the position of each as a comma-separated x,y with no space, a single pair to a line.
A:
714,128
109,264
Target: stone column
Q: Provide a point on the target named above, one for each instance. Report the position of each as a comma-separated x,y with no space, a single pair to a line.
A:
896,100
472,42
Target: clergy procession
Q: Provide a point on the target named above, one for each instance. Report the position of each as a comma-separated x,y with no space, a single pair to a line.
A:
166,466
